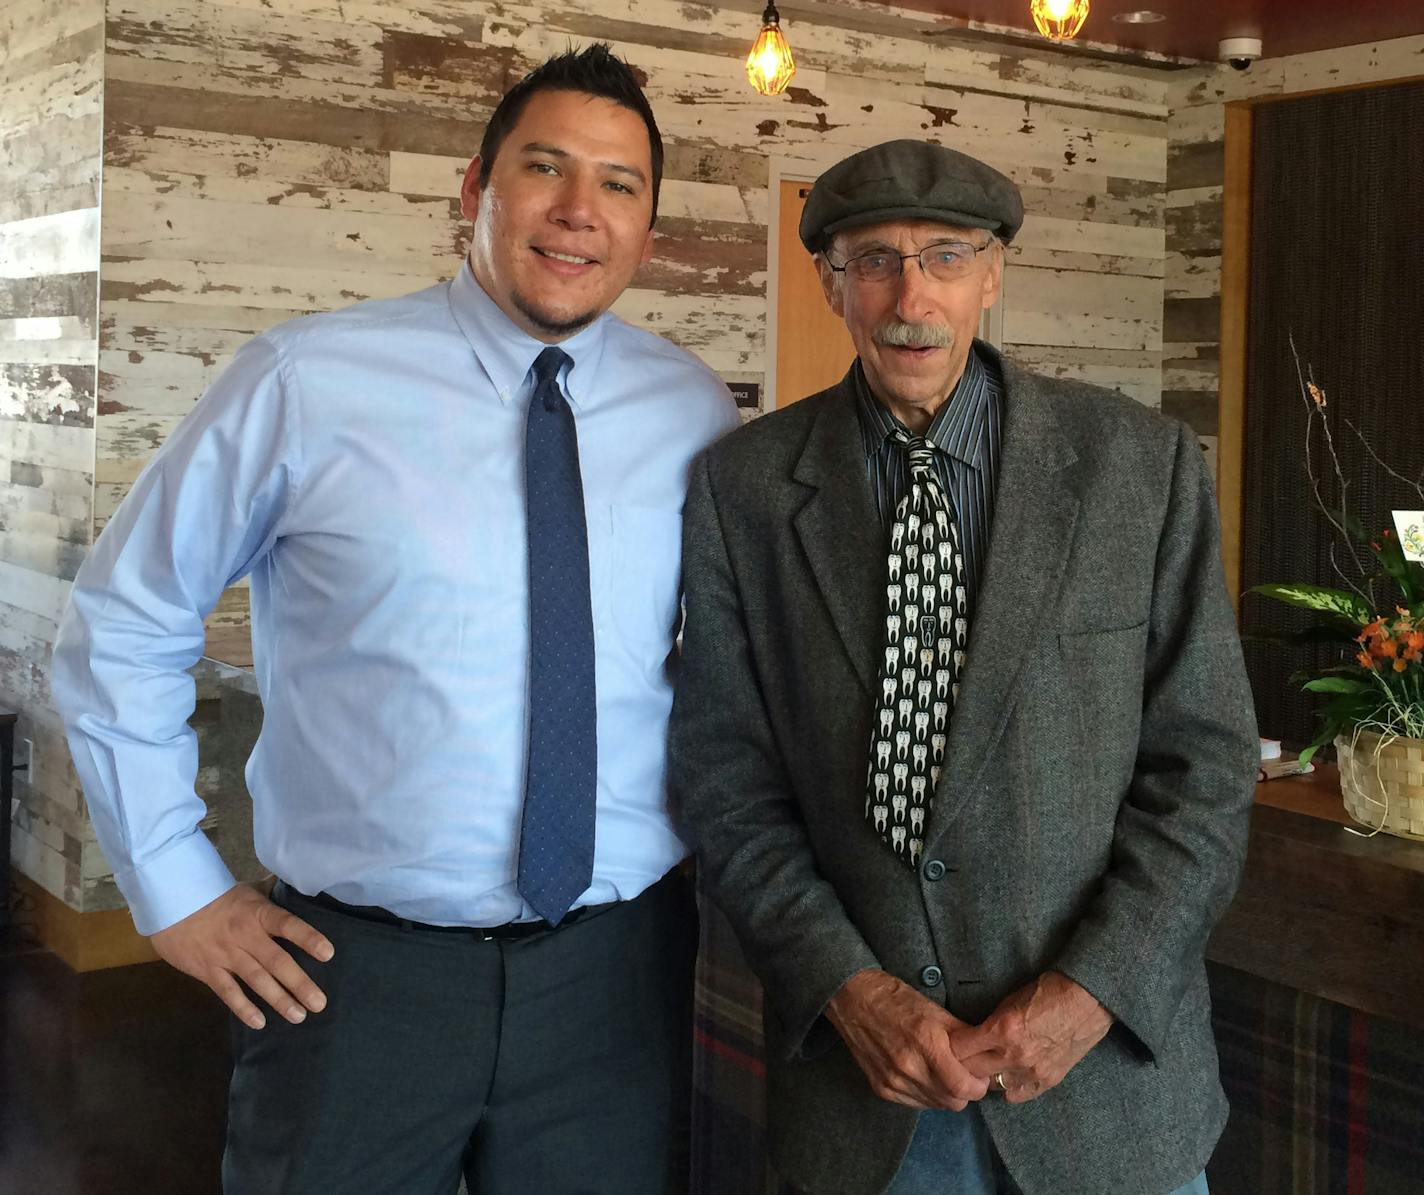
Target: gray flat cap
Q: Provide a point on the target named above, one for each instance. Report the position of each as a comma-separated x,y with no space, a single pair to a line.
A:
910,180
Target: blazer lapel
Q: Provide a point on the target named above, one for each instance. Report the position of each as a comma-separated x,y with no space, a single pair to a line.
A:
1029,542
840,531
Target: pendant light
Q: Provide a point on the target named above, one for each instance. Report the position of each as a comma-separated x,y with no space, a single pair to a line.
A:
770,65
1059,20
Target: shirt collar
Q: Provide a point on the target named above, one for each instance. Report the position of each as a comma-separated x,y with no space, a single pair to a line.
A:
960,414
506,352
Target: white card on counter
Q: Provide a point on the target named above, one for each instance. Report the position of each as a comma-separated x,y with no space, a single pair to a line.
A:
1410,526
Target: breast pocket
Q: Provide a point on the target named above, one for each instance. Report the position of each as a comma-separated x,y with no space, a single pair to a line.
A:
645,577
1105,668
1104,671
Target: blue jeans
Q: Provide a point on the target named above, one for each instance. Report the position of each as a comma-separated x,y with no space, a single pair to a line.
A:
951,1154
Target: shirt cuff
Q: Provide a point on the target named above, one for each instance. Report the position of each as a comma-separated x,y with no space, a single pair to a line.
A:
179,881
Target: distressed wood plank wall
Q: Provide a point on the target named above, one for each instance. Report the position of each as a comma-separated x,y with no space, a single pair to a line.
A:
51,93
262,161
1196,126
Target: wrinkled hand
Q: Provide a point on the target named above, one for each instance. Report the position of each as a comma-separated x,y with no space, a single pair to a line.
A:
902,1042
233,938
1035,1037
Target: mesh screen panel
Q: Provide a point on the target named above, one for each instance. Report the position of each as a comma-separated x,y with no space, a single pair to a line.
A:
1337,227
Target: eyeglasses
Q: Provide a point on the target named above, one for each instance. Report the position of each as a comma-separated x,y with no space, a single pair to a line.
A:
943,261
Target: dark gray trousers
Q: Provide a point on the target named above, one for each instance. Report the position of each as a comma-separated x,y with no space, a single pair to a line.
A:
557,1064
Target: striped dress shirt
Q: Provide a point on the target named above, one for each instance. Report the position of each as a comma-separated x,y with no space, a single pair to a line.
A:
965,434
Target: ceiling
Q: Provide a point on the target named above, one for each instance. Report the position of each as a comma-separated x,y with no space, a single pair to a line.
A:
1193,27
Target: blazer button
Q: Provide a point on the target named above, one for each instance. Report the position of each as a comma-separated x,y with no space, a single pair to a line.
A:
934,869
931,976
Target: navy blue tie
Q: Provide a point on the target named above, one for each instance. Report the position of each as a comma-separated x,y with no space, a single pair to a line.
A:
556,838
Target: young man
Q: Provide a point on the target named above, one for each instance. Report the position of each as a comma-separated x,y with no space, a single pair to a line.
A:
460,512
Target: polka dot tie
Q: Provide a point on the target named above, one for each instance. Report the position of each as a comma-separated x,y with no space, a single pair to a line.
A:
926,629
556,837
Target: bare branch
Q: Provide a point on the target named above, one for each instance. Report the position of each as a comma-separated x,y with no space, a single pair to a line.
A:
1416,486
1316,411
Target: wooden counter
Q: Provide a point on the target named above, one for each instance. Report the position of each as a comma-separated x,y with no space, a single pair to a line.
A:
1325,910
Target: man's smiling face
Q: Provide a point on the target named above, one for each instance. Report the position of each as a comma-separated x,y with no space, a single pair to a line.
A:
562,225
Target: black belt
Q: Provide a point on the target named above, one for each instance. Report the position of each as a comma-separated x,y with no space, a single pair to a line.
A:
512,931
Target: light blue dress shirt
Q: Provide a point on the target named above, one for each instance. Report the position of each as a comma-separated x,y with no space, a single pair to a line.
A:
366,470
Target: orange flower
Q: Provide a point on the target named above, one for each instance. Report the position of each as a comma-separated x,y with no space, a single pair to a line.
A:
1386,648
1414,640
1400,665
1365,661
1375,629
1316,393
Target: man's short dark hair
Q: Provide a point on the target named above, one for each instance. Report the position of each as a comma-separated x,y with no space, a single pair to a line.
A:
595,71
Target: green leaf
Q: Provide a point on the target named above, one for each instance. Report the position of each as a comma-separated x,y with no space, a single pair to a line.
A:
1341,631
1336,684
1391,557
1352,525
1338,716
1411,584
1317,597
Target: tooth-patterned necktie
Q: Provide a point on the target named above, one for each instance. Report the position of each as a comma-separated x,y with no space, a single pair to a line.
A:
926,629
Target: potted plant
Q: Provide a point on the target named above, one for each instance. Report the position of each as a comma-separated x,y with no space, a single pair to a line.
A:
1374,690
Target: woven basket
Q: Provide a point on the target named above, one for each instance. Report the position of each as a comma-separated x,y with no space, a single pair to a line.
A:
1383,786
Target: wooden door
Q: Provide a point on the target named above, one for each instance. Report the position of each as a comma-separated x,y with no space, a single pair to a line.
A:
813,348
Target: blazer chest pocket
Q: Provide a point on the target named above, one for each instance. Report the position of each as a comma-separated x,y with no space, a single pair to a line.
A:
1103,676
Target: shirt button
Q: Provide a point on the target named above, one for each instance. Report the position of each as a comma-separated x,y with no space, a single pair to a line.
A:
931,976
934,869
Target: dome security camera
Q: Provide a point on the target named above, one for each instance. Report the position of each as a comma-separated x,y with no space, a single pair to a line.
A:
1240,52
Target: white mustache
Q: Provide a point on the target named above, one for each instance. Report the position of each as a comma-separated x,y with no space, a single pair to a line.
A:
899,334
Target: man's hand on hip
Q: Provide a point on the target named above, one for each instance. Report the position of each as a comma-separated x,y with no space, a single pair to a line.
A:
233,938
1035,1037
902,1042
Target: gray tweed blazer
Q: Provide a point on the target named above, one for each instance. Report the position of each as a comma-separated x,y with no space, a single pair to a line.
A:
1092,812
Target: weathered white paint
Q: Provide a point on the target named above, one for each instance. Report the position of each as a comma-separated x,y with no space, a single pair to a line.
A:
61,243
331,146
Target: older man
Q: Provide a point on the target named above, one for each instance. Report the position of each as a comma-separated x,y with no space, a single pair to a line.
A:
963,736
